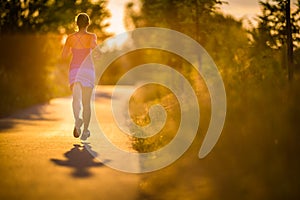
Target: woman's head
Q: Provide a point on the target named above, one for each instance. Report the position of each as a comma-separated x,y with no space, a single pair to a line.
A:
82,20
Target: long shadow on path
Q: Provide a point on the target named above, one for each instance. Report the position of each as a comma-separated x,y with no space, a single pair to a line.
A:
80,159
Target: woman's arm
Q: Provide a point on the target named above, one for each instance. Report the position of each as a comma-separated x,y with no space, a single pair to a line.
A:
94,46
66,50
94,41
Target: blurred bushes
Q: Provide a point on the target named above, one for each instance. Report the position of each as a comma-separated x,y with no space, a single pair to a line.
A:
29,70
256,156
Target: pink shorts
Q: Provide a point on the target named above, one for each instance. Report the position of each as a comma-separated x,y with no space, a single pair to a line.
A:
85,76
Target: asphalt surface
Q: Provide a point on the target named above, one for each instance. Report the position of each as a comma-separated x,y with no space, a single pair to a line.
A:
40,158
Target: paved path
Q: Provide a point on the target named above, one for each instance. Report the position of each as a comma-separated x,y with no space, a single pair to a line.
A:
40,159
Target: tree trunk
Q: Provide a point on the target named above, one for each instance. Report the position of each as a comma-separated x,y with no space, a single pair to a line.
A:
289,41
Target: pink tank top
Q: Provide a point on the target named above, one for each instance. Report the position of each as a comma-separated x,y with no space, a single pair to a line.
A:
81,57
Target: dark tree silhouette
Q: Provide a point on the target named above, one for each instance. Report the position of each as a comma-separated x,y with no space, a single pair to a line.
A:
278,29
43,16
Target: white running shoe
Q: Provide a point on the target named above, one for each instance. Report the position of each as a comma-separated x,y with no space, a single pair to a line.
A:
85,135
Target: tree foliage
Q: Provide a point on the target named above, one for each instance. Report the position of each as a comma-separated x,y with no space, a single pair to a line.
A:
271,30
269,39
44,16
181,15
222,36
258,55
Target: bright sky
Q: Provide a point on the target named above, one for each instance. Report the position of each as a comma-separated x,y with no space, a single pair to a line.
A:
116,8
247,9
238,8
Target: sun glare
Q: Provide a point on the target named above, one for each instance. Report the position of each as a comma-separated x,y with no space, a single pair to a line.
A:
116,8
63,39
118,42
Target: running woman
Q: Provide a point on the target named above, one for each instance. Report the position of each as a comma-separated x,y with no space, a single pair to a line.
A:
79,45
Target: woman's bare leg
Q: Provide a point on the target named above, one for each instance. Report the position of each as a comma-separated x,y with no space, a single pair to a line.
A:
86,103
76,103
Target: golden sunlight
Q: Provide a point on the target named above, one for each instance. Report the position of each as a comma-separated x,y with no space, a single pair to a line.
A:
116,8
116,21
63,39
247,10
118,41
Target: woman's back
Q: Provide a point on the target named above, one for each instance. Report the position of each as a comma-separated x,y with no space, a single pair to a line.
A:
81,45
83,40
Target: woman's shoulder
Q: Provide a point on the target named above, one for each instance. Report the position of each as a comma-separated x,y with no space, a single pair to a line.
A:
93,35
71,36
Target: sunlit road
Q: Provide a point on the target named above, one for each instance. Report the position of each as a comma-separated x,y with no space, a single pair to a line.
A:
40,159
